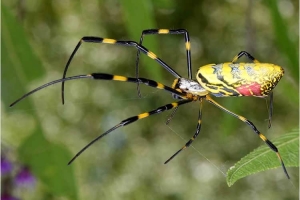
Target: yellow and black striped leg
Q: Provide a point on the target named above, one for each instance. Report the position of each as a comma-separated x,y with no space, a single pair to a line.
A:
165,32
169,32
194,136
244,53
148,82
91,39
102,76
131,120
249,123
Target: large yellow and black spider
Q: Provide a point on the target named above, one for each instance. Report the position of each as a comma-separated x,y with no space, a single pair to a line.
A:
220,80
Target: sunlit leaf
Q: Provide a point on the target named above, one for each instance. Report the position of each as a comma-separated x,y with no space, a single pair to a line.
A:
263,158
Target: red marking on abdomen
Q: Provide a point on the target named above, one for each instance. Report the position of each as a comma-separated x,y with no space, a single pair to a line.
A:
246,90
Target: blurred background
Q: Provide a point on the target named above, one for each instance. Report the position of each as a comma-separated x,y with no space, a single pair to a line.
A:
40,135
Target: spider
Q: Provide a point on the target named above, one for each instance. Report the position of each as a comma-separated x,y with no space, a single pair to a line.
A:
220,80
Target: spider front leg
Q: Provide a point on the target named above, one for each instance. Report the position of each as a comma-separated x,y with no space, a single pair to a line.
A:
194,136
166,32
249,123
92,39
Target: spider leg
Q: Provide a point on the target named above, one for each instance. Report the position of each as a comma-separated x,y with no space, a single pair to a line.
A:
165,32
102,76
194,136
249,123
244,53
270,110
170,117
91,39
48,84
131,120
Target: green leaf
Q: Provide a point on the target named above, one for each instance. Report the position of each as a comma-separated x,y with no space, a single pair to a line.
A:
263,158
49,162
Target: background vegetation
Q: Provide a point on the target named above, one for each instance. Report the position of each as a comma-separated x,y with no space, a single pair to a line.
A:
39,36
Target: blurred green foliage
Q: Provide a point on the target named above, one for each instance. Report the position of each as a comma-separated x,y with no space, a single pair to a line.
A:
37,39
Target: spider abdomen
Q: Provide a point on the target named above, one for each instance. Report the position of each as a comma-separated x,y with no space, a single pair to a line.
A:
239,79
